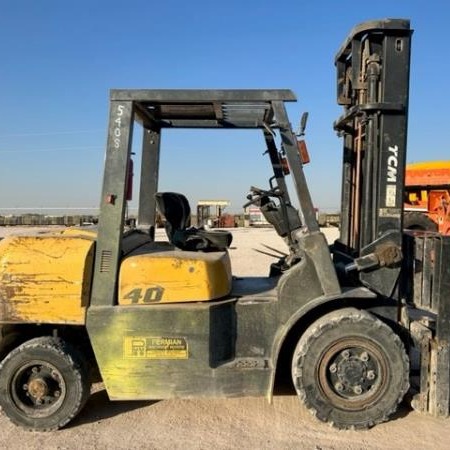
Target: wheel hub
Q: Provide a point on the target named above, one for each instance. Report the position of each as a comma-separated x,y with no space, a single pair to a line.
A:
38,388
351,373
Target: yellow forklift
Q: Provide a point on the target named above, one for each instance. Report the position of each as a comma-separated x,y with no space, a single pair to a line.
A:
158,320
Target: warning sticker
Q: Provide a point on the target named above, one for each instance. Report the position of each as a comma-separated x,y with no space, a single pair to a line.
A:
390,212
391,194
144,347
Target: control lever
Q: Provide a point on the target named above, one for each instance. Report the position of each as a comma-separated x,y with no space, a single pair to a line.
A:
384,256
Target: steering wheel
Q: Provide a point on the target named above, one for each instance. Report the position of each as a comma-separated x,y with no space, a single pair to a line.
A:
256,194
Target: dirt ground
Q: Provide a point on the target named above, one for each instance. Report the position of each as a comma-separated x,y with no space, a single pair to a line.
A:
225,423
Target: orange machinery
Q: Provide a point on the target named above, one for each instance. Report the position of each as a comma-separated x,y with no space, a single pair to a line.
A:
427,196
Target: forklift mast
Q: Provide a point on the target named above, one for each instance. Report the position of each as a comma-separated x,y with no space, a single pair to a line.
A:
372,86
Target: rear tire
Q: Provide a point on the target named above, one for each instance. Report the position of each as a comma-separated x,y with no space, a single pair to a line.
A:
418,221
43,384
350,369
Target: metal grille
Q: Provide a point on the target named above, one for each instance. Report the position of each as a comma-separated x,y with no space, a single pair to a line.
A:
105,261
245,111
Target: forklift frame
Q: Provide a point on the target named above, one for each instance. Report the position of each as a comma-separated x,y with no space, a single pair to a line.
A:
160,109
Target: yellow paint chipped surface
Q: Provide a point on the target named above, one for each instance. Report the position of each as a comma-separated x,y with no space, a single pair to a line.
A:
45,278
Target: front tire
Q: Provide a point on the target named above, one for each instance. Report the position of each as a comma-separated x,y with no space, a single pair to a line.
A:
43,384
418,221
350,369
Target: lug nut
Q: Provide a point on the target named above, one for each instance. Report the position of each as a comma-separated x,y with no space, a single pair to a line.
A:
357,390
333,368
364,356
339,387
345,354
370,375
25,387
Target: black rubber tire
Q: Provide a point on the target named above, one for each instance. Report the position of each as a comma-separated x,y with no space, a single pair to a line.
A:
43,384
350,369
418,221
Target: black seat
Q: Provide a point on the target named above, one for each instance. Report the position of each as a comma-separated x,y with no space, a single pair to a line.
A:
177,212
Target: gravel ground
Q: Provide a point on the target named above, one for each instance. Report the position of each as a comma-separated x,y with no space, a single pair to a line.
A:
225,423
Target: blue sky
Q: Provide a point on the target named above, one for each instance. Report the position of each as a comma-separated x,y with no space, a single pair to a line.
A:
60,58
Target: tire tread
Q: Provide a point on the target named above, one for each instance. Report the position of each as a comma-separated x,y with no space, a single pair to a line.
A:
71,357
328,322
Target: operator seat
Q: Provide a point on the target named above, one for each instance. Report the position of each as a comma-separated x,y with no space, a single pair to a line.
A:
177,212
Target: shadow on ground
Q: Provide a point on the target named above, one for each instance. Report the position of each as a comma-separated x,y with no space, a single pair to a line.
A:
99,407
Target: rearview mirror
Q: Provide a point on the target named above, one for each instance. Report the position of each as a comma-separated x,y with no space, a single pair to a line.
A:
303,121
